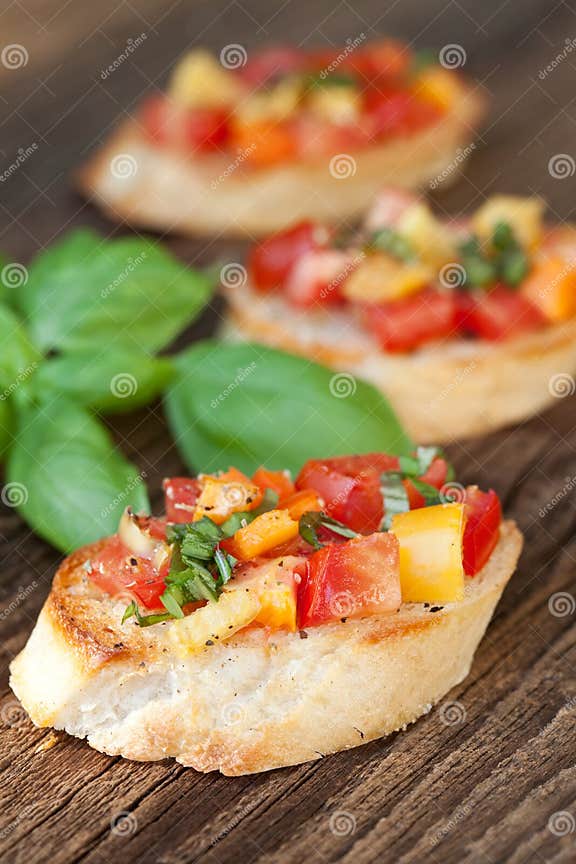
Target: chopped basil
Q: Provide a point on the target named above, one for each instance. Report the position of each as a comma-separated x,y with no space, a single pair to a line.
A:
395,497
416,466
480,271
390,241
505,261
310,522
430,493
143,620
314,82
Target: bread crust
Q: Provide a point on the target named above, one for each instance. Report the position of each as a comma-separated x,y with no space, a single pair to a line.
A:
451,390
258,701
164,189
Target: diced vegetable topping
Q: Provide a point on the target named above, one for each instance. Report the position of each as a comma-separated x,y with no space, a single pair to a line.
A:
414,279
285,104
353,536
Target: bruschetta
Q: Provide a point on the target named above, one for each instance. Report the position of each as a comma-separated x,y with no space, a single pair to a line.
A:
263,622
249,144
466,325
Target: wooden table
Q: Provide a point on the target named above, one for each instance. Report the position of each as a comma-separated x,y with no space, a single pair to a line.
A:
492,787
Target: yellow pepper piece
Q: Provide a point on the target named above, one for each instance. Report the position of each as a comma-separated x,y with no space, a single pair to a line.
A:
380,277
432,241
267,531
551,285
335,104
200,81
430,541
278,606
439,87
218,620
523,215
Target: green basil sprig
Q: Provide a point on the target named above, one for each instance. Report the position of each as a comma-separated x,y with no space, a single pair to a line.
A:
79,331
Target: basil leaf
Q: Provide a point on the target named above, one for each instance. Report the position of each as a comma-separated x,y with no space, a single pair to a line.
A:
309,524
6,427
111,379
74,483
84,291
395,497
200,542
19,358
247,405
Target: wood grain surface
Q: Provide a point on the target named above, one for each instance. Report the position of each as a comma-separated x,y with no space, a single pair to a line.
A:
497,785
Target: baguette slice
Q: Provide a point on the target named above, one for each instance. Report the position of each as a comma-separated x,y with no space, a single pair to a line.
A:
442,392
257,701
167,190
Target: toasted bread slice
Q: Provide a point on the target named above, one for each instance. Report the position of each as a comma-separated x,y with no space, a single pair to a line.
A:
442,392
164,189
259,700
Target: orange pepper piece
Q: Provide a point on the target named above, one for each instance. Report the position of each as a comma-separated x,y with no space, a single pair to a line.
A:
277,481
302,502
551,286
230,492
267,531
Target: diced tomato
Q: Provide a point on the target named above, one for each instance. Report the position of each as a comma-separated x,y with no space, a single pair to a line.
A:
500,314
118,572
181,494
403,325
317,277
349,580
278,481
271,262
387,58
316,137
350,487
201,128
436,476
272,63
397,112
481,531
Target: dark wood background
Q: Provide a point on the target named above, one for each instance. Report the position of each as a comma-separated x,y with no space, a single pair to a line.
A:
499,785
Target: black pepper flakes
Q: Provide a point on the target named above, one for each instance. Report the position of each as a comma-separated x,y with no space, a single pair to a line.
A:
303,634
343,620
209,642
436,608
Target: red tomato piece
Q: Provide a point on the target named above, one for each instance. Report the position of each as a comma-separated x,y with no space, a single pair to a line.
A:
277,481
317,277
272,63
117,571
198,129
271,262
436,476
180,494
386,58
397,112
404,325
500,314
349,580
482,528
350,487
